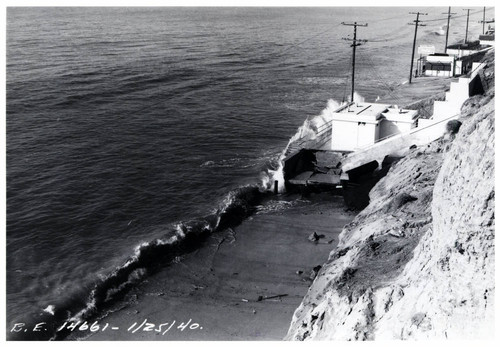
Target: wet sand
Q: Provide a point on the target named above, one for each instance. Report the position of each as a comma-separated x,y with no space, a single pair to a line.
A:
218,286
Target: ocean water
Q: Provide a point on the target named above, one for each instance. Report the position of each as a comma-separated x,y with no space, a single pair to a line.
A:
132,132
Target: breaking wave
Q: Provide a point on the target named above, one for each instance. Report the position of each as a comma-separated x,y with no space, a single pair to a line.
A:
147,258
96,299
441,31
306,132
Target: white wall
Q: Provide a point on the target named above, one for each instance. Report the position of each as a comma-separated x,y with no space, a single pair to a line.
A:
460,52
352,135
391,127
436,73
487,43
459,92
367,134
344,135
440,59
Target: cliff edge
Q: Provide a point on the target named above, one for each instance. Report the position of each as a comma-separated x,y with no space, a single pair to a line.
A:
418,261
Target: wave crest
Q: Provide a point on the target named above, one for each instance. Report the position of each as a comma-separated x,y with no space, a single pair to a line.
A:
307,131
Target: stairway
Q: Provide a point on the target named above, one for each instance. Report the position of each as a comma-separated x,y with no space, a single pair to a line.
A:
427,131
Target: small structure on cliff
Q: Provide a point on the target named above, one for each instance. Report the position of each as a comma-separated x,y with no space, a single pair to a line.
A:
458,58
463,49
488,38
352,127
363,124
366,138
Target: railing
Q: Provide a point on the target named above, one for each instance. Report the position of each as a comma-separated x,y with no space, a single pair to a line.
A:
411,132
470,76
322,132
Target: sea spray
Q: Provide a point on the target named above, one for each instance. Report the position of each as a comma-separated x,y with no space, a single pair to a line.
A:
358,98
441,31
306,132
184,237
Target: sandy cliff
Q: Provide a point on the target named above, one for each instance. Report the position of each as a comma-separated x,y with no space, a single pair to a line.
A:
418,262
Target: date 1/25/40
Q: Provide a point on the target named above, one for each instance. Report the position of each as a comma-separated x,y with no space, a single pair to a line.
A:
135,327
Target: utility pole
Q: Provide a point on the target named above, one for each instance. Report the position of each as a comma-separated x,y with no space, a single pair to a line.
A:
448,28
484,17
467,26
484,21
416,21
355,42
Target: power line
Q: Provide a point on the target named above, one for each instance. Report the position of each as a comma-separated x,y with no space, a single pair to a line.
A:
448,28
346,84
375,40
417,24
467,26
300,43
392,91
355,42
452,17
381,79
484,21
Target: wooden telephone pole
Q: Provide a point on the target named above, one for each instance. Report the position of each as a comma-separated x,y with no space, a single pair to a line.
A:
448,28
484,21
467,26
484,17
416,21
355,42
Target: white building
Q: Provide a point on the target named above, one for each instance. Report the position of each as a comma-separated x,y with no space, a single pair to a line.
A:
488,38
439,64
362,124
457,60
463,49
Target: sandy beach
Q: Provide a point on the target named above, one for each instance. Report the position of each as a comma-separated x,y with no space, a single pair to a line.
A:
219,285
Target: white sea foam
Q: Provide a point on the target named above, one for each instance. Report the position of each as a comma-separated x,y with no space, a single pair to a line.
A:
275,206
134,277
441,30
307,131
358,97
49,309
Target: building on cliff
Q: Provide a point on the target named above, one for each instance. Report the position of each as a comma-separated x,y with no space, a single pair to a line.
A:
363,124
418,263
360,134
488,38
458,58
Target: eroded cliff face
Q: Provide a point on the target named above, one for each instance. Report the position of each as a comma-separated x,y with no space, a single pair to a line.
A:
418,262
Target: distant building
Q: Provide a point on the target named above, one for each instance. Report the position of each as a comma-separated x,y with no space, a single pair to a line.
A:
462,49
457,60
362,124
439,64
488,38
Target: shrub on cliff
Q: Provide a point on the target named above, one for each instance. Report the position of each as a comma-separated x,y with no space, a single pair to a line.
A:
453,126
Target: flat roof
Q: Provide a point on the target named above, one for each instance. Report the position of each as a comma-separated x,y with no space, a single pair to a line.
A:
365,109
400,115
466,45
487,37
372,112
